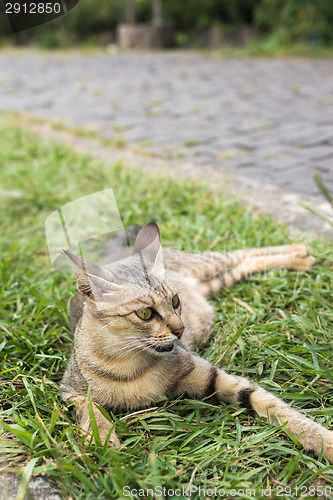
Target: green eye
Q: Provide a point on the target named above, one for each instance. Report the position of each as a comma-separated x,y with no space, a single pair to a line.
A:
175,302
144,314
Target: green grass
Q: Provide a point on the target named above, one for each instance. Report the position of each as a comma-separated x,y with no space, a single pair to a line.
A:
285,343
268,47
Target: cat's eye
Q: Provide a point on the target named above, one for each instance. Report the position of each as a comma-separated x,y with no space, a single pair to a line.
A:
145,314
175,301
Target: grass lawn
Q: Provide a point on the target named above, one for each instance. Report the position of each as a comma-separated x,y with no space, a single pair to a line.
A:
285,343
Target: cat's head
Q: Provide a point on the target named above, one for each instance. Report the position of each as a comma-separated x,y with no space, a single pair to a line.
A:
132,296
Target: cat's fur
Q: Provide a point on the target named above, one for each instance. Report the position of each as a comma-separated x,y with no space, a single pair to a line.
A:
128,361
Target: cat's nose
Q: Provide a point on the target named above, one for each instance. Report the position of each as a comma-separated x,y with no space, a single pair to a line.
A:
179,332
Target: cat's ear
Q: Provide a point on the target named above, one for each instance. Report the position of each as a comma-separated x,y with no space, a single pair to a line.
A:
91,279
148,238
148,246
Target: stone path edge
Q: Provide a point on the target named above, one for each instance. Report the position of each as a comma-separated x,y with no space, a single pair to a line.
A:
286,206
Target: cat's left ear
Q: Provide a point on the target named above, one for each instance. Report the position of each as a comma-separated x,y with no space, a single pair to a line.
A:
148,247
91,279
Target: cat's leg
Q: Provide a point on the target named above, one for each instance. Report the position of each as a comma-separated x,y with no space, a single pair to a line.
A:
250,264
83,421
298,260
205,380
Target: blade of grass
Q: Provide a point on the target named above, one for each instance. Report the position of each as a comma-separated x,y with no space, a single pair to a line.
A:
28,470
94,427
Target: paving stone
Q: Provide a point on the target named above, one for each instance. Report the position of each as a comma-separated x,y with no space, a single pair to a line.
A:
254,172
257,141
324,166
311,137
316,153
39,488
281,163
239,162
298,180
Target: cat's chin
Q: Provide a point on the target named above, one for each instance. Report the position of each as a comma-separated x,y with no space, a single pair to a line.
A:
161,348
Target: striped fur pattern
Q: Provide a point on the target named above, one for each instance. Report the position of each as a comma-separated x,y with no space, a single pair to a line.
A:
128,361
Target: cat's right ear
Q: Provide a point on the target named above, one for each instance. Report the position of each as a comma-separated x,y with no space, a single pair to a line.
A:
148,246
148,238
91,281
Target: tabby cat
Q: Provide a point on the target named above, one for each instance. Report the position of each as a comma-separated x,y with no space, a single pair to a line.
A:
135,324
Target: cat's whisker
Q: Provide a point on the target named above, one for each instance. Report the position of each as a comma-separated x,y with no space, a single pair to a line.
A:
125,348
123,351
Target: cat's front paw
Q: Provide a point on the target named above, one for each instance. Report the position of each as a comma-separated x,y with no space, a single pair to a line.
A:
103,425
113,439
103,430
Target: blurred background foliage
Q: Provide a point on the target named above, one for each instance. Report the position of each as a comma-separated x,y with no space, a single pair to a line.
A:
280,22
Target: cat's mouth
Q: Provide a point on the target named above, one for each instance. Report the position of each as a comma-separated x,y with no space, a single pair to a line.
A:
161,348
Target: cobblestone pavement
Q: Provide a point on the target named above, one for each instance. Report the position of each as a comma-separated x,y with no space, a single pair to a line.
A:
267,120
